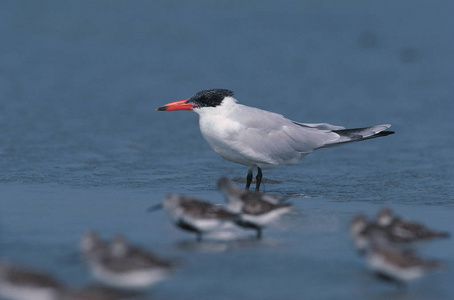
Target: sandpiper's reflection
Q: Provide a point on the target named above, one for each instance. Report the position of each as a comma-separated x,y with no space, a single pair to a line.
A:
225,244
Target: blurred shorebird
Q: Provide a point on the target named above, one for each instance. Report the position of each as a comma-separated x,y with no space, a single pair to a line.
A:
406,230
121,265
363,232
261,139
195,215
360,229
387,254
394,264
18,283
256,210
92,247
401,234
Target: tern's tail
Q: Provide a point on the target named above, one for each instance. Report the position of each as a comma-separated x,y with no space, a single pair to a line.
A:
359,134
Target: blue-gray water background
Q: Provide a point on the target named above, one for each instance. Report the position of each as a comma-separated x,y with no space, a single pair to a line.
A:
81,146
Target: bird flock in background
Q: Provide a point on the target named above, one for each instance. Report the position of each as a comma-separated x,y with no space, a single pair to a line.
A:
123,270
244,208
390,243
259,140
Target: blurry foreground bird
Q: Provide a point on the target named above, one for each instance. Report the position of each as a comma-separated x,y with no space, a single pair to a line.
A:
121,265
406,230
394,264
388,254
195,215
19,283
256,210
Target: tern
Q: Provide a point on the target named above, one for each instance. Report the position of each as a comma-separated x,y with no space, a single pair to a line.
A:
261,139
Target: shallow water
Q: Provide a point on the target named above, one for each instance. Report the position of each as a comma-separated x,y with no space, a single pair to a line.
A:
82,147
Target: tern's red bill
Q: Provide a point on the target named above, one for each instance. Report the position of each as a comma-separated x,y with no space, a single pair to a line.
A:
177,105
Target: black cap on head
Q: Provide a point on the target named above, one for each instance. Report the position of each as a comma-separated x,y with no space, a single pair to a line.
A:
210,98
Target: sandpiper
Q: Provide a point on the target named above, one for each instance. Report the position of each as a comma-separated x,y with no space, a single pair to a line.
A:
363,233
384,254
393,264
195,215
401,234
257,210
120,265
92,247
18,283
360,227
411,232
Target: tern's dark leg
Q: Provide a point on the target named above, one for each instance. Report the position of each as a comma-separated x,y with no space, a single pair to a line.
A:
259,233
248,179
199,236
259,179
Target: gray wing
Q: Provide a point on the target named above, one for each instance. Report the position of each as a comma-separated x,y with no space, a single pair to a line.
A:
269,137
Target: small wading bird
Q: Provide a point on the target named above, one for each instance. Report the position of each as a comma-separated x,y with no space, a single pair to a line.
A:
195,215
21,283
256,210
390,255
399,266
121,265
261,139
405,237
405,229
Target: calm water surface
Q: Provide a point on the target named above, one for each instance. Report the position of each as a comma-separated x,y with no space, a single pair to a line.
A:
81,146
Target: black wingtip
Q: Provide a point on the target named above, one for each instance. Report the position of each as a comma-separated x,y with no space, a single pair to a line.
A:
162,108
385,133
